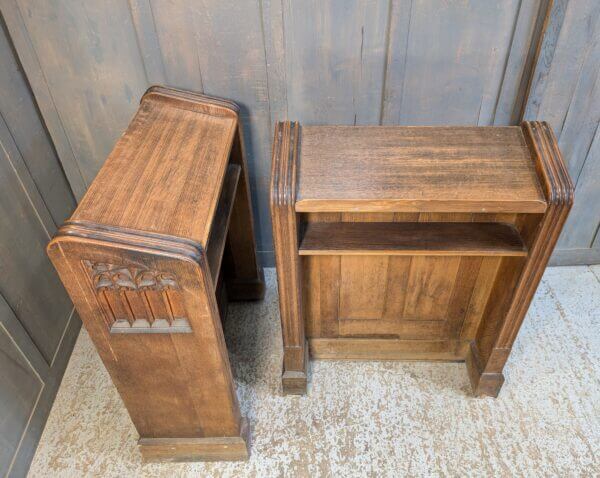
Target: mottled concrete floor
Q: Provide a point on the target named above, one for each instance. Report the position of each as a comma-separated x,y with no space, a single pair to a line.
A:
371,418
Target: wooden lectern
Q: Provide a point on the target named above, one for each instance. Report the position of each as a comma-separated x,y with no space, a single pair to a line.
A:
162,238
412,243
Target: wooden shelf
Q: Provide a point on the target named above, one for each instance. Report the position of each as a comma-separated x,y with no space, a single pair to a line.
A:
218,233
412,238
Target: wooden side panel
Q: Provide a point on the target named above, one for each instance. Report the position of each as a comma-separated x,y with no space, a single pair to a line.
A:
183,385
430,287
363,287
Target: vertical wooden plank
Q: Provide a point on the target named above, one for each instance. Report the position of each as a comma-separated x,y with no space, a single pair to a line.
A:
311,295
397,284
273,34
565,91
583,116
231,52
329,299
43,94
28,282
178,43
454,61
577,34
581,228
462,291
93,68
145,29
335,56
483,286
225,56
539,78
399,23
520,62
19,394
32,144
429,289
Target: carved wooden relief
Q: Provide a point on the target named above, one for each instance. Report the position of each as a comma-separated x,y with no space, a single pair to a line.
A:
137,299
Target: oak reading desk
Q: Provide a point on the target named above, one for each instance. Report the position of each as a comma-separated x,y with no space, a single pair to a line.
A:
412,243
162,238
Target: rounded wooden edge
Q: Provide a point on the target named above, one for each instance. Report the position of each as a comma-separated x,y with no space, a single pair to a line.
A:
180,248
550,167
220,106
283,168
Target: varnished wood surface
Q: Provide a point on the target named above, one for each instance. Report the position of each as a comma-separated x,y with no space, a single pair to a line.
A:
411,238
142,260
165,173
388,349
419,243
435,169
218,234
285,240
176,450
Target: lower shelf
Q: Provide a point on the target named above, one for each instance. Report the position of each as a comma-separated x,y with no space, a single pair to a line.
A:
412,238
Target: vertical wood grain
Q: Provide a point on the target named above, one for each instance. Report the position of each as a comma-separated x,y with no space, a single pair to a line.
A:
565,91
330,61
93,69
449,58
335,55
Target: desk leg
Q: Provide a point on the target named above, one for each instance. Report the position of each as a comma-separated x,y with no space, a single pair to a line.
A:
245,277
518,279
289,274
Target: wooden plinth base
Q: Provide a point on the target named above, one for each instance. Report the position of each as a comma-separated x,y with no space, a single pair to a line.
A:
196,449
482,383
387,349
293,382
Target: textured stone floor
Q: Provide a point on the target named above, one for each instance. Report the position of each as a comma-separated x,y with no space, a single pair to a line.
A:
371,418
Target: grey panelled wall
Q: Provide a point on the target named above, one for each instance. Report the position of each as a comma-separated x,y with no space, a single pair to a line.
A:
317,61
37,325
565,91
85,64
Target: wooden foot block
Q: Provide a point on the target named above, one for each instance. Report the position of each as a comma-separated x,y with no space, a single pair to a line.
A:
294,383
196,449
482,383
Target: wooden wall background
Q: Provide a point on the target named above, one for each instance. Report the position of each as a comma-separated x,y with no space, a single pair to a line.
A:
37,325
318,61
565,91
72,72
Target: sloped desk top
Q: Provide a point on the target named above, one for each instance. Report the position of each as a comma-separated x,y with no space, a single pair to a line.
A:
416,169
166,171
